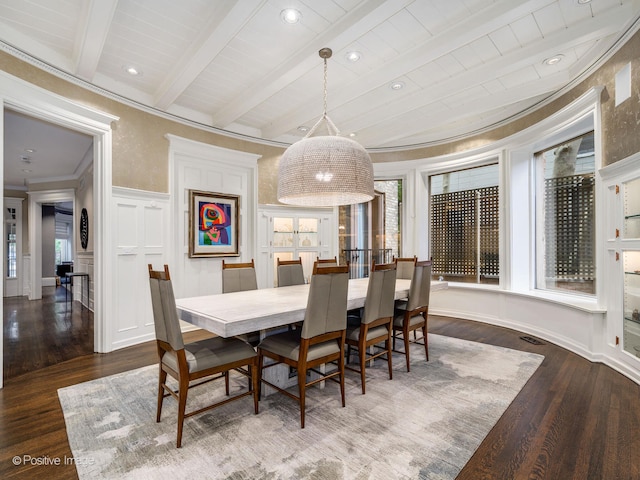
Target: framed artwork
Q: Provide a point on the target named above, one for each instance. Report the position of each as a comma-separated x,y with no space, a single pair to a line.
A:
213,224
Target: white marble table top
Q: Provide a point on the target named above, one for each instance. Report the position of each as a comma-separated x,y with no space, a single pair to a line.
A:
230,314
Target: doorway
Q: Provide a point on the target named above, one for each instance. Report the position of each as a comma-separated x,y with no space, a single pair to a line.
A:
35,102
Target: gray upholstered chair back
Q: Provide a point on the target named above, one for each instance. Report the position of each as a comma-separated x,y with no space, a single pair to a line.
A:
165,315
326,262
237,278
380,295
420,286
290,274
327,302
406,267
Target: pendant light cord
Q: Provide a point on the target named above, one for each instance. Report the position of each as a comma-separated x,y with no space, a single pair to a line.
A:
324,104
331,128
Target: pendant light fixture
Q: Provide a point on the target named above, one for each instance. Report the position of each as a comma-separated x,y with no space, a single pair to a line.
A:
325,170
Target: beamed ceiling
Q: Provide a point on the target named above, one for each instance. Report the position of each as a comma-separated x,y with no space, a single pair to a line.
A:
464,65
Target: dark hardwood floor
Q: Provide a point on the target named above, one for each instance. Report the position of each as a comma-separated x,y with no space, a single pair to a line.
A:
572,420
41,333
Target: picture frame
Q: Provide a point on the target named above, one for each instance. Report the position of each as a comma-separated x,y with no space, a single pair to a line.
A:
213,224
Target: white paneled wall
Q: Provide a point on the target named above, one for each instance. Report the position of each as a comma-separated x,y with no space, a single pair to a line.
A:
84,264
200,166
141,233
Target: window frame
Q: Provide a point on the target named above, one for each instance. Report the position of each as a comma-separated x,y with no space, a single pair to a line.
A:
541,242
492,161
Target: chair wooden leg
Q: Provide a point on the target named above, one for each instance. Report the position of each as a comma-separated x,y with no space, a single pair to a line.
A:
260,365
406,346
226,382
387,345
341,369
255,387
162,378
361,355
183,386
426,343
302,385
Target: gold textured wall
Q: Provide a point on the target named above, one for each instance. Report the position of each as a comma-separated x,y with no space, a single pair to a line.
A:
140,149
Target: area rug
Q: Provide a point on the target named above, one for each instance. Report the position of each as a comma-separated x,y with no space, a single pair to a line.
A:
423,424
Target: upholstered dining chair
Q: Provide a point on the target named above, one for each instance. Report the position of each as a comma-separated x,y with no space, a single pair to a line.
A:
319,341
405,266
327,262
238,277
412,314
290,272
196,363
376,322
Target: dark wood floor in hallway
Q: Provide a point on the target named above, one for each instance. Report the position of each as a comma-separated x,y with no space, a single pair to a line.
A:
41,333
573,420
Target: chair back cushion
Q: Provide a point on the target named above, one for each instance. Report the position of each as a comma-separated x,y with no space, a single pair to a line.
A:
239,279
380,295
327,302
420,286
290,275
406,267
165,315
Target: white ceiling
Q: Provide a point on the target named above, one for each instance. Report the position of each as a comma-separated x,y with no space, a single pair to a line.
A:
235,65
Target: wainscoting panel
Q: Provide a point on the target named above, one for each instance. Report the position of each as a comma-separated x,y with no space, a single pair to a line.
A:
142,232
84,264
26,272
199,166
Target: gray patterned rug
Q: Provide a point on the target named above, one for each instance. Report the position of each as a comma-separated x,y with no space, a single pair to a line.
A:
422,424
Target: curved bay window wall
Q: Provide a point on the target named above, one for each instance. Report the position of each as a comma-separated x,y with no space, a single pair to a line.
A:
465,225
371,231
565,210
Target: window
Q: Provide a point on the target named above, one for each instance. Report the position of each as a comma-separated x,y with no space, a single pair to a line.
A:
372,231
465,225
64,236
11,245
565,211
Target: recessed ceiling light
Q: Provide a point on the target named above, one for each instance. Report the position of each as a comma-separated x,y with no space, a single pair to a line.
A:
30,150
553,60
303,128
353,56
582,2
353,134
131,70
27,170
397,86
290,16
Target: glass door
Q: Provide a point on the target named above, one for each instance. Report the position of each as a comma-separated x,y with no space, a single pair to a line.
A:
631,265
11,238
631,308
295,237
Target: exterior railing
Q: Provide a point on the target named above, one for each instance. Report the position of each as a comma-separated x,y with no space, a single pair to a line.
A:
360,259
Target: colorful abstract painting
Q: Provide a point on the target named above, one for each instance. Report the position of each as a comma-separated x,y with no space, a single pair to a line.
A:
213,224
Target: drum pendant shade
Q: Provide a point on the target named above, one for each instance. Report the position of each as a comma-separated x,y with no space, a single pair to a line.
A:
325,170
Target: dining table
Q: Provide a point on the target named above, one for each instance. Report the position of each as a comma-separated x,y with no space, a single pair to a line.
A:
238,313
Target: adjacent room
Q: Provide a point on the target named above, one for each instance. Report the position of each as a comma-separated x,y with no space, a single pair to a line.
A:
404,235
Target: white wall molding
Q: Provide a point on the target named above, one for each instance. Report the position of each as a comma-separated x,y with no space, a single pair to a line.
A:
200,166
577,328
141,236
